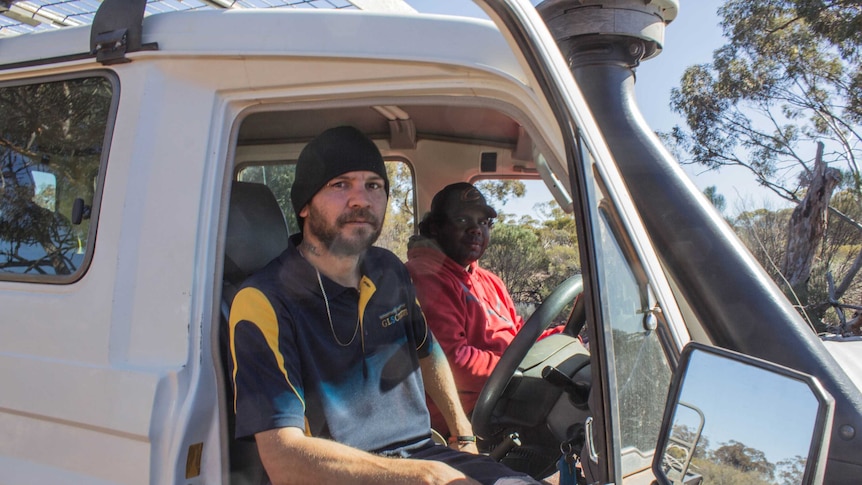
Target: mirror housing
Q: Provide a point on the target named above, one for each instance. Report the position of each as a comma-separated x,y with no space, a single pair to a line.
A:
721,421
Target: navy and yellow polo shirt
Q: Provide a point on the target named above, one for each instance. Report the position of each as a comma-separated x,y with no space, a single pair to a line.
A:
289,371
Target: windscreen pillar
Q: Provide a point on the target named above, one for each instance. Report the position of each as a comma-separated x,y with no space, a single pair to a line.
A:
602,42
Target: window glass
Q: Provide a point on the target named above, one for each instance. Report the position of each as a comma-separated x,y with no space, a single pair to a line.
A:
400,212
638,363
52,137
641,369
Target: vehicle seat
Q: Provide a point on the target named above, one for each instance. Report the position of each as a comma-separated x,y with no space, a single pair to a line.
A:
256,234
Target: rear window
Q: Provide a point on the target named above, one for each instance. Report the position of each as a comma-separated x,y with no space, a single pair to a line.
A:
53,136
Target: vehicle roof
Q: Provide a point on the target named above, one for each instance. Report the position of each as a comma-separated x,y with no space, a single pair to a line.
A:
295,32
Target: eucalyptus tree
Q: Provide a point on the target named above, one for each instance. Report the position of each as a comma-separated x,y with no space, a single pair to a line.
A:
781,99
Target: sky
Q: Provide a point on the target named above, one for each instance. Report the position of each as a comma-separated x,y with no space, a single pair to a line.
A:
714,385
690,39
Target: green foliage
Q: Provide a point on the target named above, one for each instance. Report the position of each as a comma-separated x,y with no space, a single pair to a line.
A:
791,471
722,474
776,88
558,235
498,192
400,217
516,256
744,459
734,463
715,198
763,233
563,261
533,256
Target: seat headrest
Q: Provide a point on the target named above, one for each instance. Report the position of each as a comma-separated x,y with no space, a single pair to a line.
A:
256,230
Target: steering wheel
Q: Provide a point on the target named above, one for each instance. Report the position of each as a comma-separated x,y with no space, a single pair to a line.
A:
517,350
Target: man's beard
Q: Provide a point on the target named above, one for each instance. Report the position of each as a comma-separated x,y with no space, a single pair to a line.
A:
330,236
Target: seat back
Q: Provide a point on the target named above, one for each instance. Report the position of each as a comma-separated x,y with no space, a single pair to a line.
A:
256,231
256,234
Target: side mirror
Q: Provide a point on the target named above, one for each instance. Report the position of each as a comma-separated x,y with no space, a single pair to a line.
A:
731,418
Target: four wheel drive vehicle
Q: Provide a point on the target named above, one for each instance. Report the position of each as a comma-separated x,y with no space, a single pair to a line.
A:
145,171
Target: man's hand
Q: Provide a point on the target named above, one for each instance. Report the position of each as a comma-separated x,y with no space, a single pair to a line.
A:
440,473
291,457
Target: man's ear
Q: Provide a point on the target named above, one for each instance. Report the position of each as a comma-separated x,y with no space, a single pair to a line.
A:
304,211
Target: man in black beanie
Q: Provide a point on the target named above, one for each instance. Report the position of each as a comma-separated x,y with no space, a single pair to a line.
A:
330,354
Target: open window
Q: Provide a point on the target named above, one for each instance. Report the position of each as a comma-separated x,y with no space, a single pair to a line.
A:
427,143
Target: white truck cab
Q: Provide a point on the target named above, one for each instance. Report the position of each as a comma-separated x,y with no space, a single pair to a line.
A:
145,164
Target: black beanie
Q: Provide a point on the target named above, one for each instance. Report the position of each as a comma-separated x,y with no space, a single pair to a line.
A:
334,152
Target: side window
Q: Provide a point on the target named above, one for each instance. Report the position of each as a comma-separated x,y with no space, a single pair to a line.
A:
639,363
52,140
400,212
630,317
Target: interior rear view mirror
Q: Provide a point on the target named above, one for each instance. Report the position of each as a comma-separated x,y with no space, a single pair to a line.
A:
731,418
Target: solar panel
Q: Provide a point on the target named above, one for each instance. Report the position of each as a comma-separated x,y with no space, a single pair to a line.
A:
18,17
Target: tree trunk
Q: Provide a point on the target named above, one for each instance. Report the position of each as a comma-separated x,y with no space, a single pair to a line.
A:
807,226
855,327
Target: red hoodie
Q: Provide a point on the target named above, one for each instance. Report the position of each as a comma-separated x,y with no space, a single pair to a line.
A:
470,313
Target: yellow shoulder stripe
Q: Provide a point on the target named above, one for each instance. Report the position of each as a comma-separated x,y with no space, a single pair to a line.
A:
252,306
366,291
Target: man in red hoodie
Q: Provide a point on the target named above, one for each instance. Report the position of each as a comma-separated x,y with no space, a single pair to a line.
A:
468,308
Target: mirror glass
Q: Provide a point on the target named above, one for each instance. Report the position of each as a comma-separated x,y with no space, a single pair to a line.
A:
734,422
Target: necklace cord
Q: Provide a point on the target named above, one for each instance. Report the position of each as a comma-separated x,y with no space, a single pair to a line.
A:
329,316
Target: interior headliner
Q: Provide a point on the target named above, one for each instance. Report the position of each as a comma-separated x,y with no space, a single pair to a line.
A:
469,124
